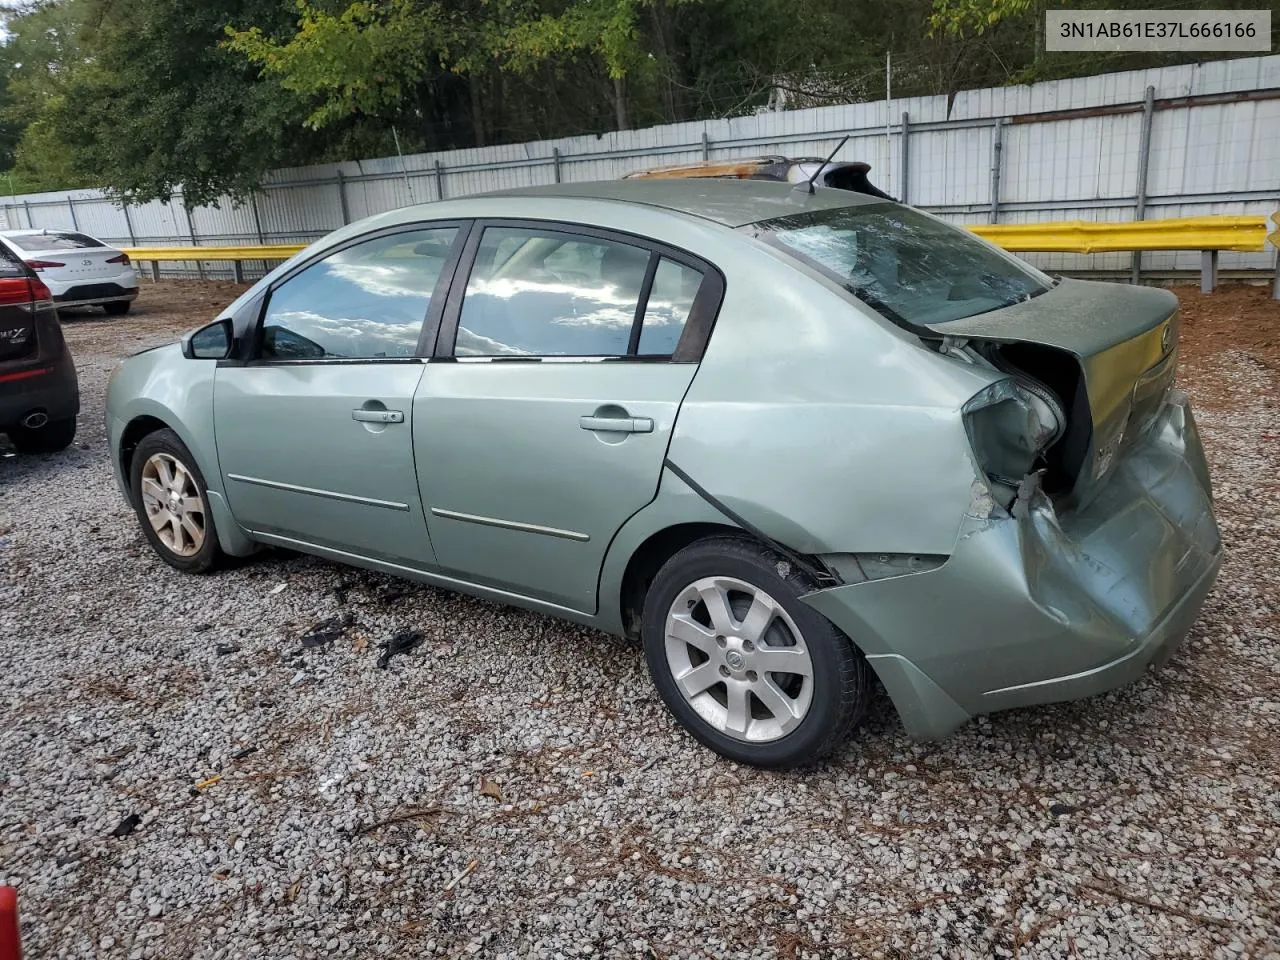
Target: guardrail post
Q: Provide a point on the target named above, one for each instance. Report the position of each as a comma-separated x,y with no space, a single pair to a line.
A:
555,163
342,198
1275,284
439,180
1144,162
1208,270
902,159
706,146
155,271
997,150
31,224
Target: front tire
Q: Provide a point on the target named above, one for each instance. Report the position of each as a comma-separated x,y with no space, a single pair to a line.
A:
117,308
53,436
172,502
742,663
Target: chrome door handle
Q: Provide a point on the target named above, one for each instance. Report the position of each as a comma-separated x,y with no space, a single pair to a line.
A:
377,416
616,424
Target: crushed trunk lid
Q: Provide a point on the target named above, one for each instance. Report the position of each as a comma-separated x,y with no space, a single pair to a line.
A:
1124,343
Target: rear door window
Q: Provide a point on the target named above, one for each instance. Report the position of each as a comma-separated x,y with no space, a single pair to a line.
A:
536,293
545,293
667,310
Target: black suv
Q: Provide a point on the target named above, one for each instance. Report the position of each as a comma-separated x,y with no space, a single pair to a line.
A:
39,393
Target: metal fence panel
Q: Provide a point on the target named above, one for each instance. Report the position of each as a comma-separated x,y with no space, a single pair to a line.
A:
984,155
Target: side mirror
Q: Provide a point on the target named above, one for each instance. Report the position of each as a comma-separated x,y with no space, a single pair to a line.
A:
211,342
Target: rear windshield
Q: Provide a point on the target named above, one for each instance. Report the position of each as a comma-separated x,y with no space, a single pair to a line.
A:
906,264
54,241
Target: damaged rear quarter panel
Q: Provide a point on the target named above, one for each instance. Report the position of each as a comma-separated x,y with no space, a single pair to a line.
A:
1043,606
823,424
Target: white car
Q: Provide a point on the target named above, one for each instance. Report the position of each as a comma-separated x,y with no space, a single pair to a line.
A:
78,270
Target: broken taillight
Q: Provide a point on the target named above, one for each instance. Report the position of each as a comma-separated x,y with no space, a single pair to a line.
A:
1010,425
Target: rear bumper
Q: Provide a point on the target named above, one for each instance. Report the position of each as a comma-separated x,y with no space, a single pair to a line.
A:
45,386
1039,607
93,294
90,292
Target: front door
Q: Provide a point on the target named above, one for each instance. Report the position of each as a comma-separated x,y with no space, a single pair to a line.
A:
315,433
550,427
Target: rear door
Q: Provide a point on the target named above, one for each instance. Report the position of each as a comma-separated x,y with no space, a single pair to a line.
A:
572,349
313,431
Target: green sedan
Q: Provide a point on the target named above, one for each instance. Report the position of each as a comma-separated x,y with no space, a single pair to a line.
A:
786,437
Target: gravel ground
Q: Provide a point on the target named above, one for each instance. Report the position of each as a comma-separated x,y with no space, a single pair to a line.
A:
513,786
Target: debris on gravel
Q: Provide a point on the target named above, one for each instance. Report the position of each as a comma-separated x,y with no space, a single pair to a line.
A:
402,642
127,826
326,631
515,789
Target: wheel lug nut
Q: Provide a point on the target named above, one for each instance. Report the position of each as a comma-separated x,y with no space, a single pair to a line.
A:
720,641
752,676
724,671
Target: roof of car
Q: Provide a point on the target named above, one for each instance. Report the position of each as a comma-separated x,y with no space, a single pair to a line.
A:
733,203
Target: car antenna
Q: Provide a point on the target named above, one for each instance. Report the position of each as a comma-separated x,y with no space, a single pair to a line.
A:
807,186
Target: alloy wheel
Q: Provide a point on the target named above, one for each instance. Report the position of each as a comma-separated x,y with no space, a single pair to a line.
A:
173,504
739,659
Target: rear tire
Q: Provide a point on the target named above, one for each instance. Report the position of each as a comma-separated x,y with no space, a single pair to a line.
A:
53,436
750,670
171,500
117,308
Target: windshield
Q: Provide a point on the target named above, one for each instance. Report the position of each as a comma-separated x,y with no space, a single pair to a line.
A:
906,264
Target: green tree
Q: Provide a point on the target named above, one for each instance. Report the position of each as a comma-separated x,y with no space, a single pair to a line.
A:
148,96
376,62
148,102
40,47
604,29
365,60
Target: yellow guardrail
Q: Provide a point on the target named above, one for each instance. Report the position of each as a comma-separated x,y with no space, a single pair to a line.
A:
1247,234
281,251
